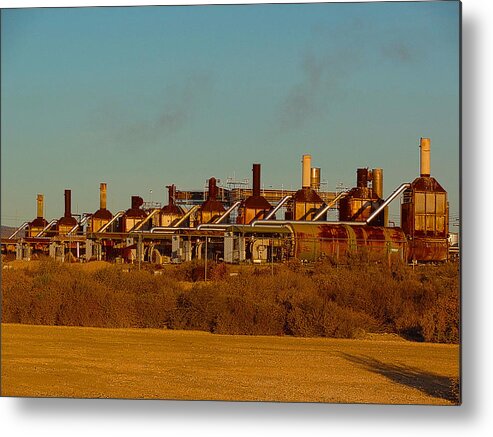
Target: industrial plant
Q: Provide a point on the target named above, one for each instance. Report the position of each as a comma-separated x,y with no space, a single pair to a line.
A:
243,224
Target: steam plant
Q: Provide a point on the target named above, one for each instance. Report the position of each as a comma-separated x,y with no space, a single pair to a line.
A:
240,224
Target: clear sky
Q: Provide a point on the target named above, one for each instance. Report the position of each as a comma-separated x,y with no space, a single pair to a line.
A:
144,97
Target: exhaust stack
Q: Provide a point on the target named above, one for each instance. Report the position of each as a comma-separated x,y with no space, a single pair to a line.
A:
315,178
40,205
171,194
102,196
424,155
256,180
362,178
306,168
68,203
377,181
136,202
212,189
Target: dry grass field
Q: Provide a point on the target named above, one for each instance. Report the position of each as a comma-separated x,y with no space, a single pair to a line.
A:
49,361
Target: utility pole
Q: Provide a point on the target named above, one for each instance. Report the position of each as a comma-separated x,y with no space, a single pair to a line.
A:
205,265
272,256
139,249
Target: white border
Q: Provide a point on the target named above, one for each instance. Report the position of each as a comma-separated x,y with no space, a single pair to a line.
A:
134,418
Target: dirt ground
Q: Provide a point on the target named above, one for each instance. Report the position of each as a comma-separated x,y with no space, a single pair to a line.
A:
45,361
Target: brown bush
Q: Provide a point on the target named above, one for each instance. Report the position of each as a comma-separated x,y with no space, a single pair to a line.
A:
302,300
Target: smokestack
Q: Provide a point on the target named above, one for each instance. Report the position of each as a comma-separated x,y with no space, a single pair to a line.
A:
212,189
424,164
315,178
377,182
305,174
171,194
256,179
137,202
362,177
68,202
102,196
40,205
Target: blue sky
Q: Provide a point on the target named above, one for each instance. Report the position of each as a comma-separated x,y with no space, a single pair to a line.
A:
144,97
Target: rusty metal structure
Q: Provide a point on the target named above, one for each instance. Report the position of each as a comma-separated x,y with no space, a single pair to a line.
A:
67,222
306,201
363,200
425,213
102,216
337,241
272,225
254,207
172,212
212,209
134,215
39,223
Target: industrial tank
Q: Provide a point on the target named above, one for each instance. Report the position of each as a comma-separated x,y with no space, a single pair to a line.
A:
337,240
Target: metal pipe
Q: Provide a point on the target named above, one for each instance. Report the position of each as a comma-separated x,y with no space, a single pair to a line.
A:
142,222
227,213
294,222
107,225
20,228
48,226
167,230
80,224
424,161
278,206
329,205
306,161
396,193
212,226
187,214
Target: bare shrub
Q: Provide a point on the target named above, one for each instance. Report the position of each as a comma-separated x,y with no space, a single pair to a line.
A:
16,297
303,300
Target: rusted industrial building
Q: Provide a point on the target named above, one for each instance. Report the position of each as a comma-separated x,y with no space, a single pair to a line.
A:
244,224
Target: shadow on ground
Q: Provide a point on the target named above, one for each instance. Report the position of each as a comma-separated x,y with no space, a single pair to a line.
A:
431,384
